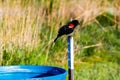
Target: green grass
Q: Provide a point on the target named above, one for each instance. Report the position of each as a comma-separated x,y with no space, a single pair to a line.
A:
98,71
27,34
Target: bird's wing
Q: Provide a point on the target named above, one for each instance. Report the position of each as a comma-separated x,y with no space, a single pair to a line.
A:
63,29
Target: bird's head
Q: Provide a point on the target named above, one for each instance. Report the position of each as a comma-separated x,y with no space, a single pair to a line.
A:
75,22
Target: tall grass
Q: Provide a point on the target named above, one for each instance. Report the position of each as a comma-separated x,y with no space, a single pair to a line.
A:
28,28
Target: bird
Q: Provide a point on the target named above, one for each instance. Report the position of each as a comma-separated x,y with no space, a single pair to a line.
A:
67,29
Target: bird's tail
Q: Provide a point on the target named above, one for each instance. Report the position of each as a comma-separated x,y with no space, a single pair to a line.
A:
55,39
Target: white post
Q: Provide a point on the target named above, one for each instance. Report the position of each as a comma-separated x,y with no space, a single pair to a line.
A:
70,58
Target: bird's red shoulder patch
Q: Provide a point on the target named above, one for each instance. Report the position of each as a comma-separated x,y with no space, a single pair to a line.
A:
71,26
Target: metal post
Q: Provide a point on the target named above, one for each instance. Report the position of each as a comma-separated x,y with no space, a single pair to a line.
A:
70,58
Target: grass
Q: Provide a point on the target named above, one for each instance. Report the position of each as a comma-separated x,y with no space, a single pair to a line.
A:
98,71
27,29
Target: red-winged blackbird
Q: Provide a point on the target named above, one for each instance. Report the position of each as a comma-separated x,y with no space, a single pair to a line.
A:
67,29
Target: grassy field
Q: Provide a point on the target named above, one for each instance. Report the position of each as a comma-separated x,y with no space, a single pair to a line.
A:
28,28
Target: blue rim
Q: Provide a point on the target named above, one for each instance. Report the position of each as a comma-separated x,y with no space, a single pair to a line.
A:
32,72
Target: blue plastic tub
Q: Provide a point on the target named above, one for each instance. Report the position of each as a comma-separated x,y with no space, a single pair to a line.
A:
32,73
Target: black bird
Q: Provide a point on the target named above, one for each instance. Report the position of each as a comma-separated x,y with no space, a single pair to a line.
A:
67,29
